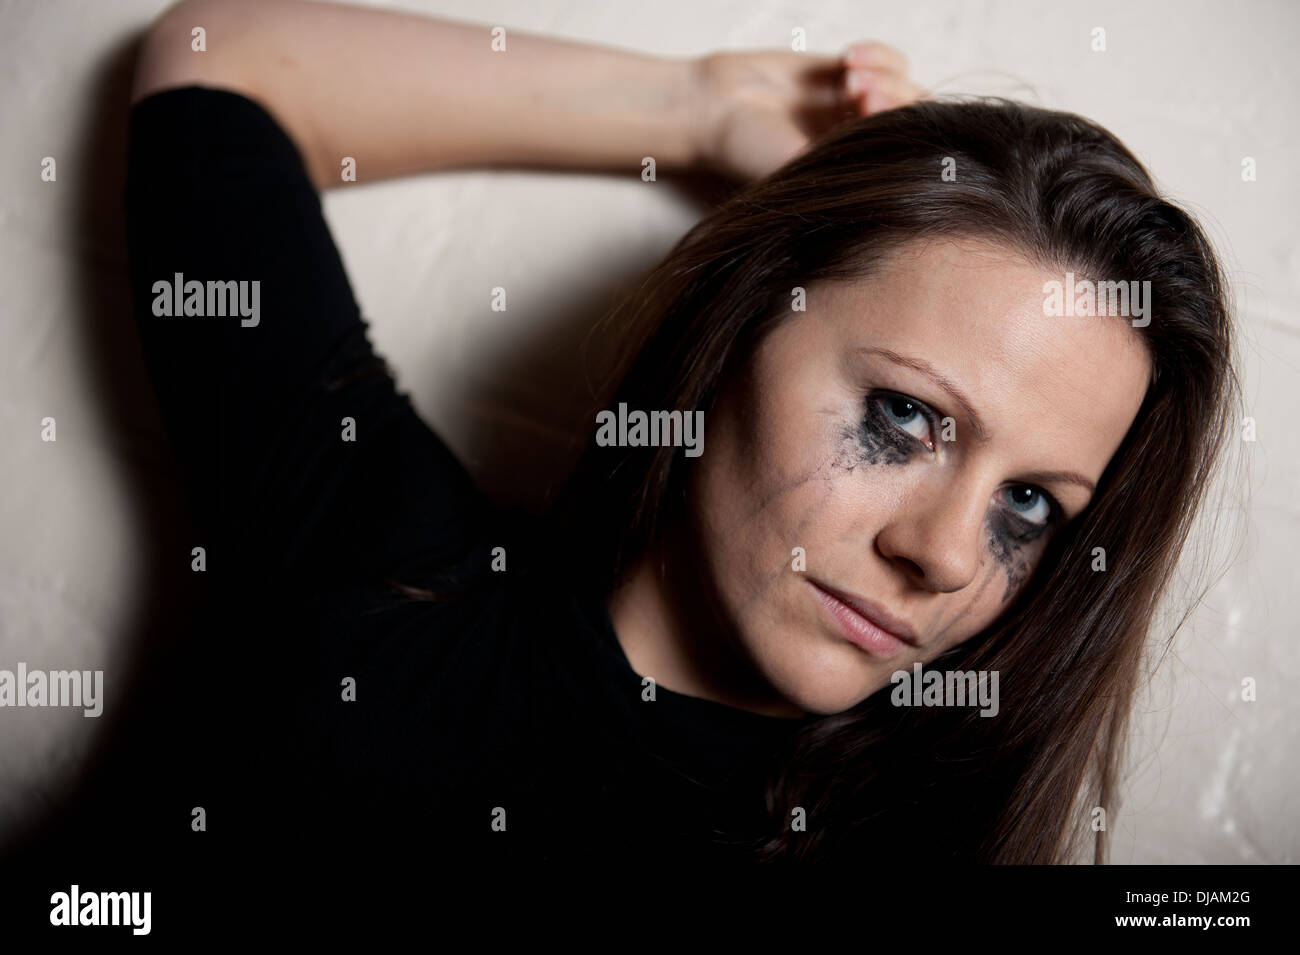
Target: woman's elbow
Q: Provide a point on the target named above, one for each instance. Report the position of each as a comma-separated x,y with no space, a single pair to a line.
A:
191,42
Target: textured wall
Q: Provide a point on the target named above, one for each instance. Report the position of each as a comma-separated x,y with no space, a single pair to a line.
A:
1192,88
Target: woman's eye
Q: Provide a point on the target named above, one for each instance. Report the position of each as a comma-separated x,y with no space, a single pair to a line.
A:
907,415
1029,503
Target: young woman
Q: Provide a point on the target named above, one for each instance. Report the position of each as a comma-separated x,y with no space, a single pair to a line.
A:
910,460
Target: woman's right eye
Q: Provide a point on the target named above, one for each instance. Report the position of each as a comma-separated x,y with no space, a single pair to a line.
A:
906,414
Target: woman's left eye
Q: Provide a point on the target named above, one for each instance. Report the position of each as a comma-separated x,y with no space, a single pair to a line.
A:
1029,503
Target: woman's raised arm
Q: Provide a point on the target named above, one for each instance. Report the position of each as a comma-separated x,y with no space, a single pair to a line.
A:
403,93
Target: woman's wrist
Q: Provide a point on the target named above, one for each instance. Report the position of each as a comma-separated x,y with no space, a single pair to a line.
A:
706,103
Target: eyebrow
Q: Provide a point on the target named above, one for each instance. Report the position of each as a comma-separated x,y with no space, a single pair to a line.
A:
1061,477
925,368
981,432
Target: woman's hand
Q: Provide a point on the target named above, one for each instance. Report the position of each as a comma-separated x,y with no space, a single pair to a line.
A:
759,110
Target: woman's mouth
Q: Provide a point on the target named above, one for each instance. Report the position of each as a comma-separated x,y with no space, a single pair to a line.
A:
858,628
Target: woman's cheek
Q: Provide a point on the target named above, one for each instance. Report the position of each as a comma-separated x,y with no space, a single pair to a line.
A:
872,442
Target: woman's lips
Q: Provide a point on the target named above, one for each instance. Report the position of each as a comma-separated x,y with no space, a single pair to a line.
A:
857,628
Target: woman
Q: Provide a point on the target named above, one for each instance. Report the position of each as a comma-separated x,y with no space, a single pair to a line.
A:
910,459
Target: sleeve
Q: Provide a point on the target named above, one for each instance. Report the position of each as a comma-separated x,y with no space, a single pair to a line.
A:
299,454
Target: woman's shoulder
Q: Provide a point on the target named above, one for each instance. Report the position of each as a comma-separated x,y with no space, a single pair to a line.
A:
208,124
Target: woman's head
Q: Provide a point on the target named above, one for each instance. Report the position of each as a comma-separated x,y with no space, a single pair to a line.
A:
915,439
898,270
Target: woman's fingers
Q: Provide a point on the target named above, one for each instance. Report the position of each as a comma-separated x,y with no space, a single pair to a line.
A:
875,78
873,90
873,55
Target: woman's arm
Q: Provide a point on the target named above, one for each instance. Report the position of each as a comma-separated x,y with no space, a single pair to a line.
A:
403,93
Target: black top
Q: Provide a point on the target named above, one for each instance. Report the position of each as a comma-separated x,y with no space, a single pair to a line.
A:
514,694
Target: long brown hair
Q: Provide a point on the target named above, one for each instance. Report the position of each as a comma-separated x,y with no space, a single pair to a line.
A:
887,781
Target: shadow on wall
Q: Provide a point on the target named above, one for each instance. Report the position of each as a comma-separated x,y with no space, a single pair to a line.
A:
534,409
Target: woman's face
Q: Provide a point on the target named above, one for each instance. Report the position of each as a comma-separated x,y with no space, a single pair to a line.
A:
821,456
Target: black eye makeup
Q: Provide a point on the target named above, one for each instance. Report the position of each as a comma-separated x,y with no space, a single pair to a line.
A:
895,424
907,414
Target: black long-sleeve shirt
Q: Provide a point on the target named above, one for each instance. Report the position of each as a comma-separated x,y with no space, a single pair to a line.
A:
513,697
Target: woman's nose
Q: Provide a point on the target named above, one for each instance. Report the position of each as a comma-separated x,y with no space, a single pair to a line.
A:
936,535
